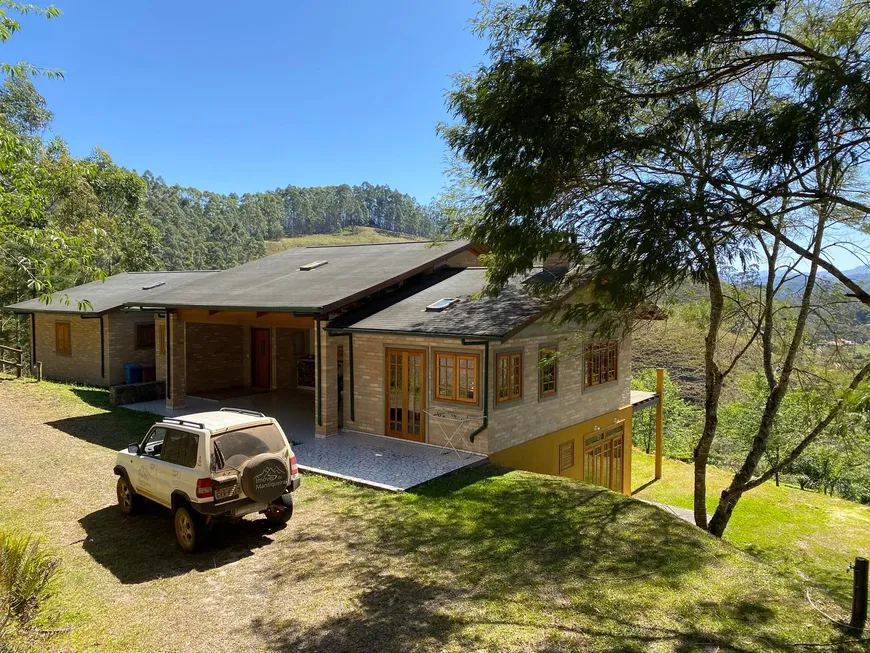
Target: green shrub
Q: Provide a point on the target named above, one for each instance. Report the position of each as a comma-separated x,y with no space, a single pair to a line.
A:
682,421
27,574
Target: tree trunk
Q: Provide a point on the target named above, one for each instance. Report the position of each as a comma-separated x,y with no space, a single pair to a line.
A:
778,389
713,390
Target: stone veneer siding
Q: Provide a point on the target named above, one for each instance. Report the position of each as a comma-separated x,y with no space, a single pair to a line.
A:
532,416
369,379
510,423
83,363
215,356
121,343
160,347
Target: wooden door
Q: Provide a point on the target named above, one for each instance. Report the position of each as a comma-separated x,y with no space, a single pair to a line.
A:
406,394
602,458
261,359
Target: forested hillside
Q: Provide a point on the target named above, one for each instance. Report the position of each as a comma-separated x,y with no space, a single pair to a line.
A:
203,230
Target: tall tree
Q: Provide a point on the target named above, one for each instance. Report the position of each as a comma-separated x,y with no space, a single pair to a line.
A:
678,139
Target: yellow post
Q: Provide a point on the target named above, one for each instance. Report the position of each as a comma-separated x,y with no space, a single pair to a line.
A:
660,389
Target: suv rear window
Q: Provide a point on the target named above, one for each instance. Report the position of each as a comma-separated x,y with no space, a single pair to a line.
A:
239,446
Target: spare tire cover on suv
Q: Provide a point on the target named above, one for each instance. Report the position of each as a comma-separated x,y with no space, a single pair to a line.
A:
265,477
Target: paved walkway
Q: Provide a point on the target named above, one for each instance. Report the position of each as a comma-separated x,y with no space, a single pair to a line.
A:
683,513
377,461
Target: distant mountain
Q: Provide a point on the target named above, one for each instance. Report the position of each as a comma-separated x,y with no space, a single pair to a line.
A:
858,274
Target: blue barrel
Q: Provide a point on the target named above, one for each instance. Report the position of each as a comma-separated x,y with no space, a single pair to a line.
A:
132,373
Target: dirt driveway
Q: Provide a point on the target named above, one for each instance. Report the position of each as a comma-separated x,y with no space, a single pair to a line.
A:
126,585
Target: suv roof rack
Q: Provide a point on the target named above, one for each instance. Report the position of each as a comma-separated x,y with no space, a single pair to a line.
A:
183,422
243,411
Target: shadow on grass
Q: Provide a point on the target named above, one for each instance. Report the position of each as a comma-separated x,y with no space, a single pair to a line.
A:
534,562
394,614
640,489
114,429
141,548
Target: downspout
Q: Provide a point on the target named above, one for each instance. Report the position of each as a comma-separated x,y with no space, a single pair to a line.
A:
168,392
102,350
319,375
350,357
485,393
32,342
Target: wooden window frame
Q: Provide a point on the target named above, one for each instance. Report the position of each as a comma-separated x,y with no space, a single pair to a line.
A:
454,396
565,449
512,395
606,354
145,325
541,353
606,441
67,351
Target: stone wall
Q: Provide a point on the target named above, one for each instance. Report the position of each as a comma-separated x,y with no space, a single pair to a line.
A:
160,346
121,343
369,379
215,356
510,423
532,416
83,363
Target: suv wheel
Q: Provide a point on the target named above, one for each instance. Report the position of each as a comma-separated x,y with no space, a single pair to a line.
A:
190,529
128,500
281,511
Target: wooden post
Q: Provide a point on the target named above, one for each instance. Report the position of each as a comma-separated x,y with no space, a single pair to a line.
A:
859,594
660,389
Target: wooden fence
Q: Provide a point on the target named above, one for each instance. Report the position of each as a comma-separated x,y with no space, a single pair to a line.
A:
17,362
17,359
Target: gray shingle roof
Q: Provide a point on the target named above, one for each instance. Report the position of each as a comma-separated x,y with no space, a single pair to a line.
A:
112,293
276,282
487,317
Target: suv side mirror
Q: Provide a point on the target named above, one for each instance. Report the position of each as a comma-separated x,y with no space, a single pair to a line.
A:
133,449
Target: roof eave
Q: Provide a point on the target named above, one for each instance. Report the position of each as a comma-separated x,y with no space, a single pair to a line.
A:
415,334
270,309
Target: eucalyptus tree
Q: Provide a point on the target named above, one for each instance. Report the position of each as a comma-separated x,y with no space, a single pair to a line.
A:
677,139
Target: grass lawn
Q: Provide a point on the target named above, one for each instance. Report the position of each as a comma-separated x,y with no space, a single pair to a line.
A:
806,535
347,236
484,560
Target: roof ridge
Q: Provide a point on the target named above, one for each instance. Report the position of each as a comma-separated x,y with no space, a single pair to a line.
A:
168,271
399,242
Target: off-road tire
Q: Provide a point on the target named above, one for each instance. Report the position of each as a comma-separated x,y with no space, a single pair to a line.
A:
265,477
128,501
281,510
190,529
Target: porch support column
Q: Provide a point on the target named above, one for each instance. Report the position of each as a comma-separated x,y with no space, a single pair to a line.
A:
326,385
176,377
660,389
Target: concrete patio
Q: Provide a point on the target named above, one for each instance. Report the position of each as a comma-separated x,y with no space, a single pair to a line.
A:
373,460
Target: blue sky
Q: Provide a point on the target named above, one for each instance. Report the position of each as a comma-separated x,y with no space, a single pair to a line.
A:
253,96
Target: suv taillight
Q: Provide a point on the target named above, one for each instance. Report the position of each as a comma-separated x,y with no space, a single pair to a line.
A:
204,489
294,468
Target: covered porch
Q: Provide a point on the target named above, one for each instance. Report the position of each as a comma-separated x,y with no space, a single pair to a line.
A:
373,460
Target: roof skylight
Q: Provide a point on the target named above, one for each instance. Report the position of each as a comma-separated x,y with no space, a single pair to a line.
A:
154,285
441,304
311,266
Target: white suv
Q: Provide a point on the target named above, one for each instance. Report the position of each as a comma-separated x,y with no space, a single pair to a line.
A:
226,463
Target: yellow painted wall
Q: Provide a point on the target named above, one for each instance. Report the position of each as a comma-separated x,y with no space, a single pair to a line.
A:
541,455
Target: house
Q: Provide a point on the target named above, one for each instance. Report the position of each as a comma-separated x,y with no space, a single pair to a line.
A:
91,343
386,340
